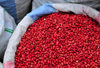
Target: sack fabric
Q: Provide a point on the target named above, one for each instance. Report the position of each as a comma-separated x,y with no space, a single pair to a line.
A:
1,65
91,3
17,8
9,56
7,26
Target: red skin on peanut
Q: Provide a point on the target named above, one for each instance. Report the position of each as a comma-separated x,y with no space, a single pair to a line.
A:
60,40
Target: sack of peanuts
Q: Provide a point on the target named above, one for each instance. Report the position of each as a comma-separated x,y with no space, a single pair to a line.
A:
16,8
56,36
91,3
7,25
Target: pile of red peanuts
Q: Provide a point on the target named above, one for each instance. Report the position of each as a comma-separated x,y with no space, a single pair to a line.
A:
60,40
